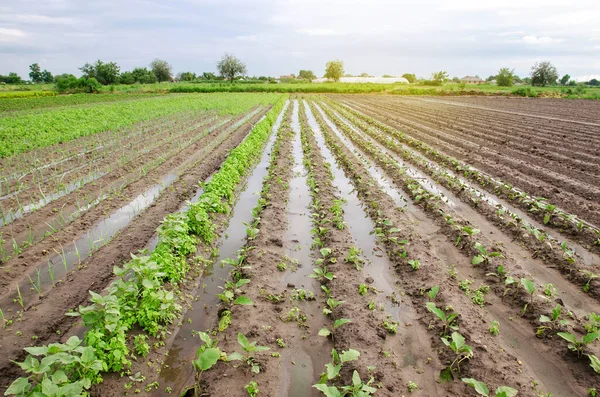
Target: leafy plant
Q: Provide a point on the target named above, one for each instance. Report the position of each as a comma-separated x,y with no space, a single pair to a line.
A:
482,389
415,264
206,357
357,389
250,348
411,386
336,324
460,348
362,289
448,320
495,328
141,347
530,288
337,360
590,276
483,256
354,257
64,369
432,293
390,325
551,323
252,389
577,345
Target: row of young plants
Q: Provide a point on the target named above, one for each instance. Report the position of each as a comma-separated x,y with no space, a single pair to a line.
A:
543,210
397,242
335,271
61,220
542,244
233,297
143,293
21,133
484,256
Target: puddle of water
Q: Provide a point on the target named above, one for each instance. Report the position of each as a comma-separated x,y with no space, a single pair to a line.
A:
179,373
413,172
298,238
375,172
73,254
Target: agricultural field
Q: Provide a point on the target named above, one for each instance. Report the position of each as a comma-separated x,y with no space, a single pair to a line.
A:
235,244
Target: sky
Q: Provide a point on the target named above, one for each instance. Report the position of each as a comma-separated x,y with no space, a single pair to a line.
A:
278,37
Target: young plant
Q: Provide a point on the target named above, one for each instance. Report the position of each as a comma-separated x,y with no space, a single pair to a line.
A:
390,325
590,276
495,328
460,348
577,345
432,293
206,357
415,264
530,288
482,389
551,323
141,346
337,360
483,256
252,389
354,257
411,386
448,320
336,324
249,348
362,289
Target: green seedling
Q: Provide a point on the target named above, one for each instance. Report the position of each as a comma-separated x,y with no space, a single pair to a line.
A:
483,256
321,274
250,348
252,389
331,305
336,324
466,231
594,363
448,320
357,389
590,276
500,272
593,323
549,290
335,366
482,389
354,257
433,293
206,357
141,346
495,328
231,290
281,266
225,320
530,288
414,264
411,386
460,348
577,345
551,323
280,342
362,289
390,325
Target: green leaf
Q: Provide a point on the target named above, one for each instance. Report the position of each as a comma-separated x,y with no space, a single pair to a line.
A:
479,387
208,358
242,282
59,377
528,285
544,319
505,391
329,391
333,370
356,381
324,332
477,260
235,356
594,363
349,355
569,337
341,321
435,310
589,338
37,351
243,300
49,388
19,386
242,340
458,340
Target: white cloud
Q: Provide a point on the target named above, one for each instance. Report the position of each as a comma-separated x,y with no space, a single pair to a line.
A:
542,40
39,19
318,32
588,77
11,35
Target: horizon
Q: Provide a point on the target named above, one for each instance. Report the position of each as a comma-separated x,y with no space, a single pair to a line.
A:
273,39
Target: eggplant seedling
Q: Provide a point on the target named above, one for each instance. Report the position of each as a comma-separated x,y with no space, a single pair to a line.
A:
432,293
590,276
448,320
206,357
495,328
252,389
336,324
460,348
577,345
250,348
551,323
530,288
482,389
483,256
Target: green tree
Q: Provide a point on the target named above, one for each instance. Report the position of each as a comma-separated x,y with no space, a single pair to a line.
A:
47,76
104,72
12,78
35,73
412,78
127,78
505,77
209,76
593,82
364,74
543,74
306,75
490,78
143,76
230,67
334,70
565,79
186,76
161,69
440,76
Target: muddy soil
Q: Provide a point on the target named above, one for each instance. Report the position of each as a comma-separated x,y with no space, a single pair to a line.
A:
44,317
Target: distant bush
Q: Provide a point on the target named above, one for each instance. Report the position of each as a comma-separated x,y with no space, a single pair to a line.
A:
432,82
73,84
527,92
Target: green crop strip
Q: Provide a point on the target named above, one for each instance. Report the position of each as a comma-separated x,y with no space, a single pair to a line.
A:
21,133
144,292
50,101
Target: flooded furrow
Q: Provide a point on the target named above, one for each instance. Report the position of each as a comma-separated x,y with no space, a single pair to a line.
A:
376,172
303,363
378,268
178,373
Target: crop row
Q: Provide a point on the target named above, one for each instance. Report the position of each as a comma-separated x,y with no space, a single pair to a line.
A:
483,258
541,243
144,292
543,210
22,133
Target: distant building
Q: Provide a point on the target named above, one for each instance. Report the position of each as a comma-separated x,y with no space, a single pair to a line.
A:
287,77
472,80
